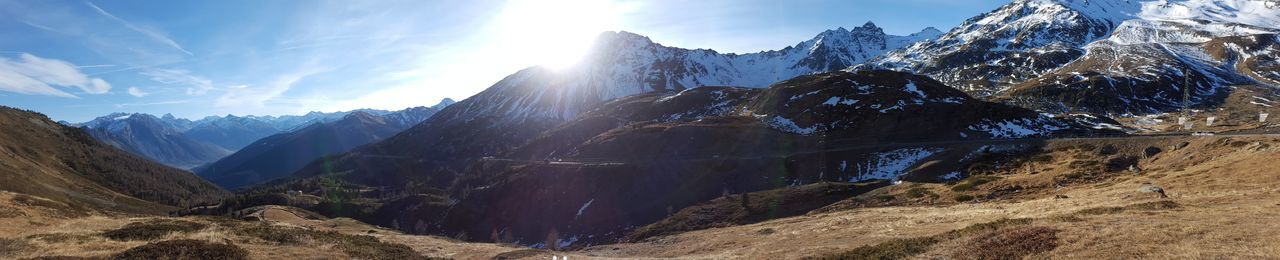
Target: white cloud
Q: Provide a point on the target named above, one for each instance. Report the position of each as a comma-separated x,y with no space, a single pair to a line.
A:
149,33
196,85
244,96
36,76
135,91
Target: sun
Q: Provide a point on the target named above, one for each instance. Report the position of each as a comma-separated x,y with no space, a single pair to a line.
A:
555,33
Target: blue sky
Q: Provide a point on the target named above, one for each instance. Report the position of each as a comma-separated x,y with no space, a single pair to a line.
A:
76,60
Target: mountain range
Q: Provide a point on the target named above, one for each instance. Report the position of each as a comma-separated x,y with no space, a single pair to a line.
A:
1118,57
186,144
638,130
1055,56
282,154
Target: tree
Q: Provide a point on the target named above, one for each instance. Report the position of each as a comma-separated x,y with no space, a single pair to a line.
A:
553,240
420,227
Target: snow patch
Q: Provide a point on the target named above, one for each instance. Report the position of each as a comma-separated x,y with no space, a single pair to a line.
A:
583,208
890,165
951,176
787,125
1017,128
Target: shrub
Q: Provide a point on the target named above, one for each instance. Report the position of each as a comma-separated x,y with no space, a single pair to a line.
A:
9,247
63,258
153,230
1100,211
1146,206
184,249
918,192
54,238
1155,205
1009,244
893,249
972,183
1042,158
963,197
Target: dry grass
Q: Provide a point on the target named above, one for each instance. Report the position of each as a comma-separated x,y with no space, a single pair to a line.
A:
1220,205
356,246
907,247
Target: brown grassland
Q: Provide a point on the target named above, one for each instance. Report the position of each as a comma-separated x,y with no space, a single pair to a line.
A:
1067,203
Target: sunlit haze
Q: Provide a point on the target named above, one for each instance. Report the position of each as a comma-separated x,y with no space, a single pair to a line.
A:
75,60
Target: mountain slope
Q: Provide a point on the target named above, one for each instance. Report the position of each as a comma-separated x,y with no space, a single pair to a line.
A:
581,179
1149,78
1062,54
282,154
154,138
524,104
46,159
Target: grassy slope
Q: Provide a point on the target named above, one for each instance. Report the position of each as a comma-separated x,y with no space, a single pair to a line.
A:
42,158
1221,190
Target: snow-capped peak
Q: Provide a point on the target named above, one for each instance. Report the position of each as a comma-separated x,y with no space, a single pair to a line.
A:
443,103
623,63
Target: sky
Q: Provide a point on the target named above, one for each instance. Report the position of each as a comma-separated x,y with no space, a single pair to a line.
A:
77,60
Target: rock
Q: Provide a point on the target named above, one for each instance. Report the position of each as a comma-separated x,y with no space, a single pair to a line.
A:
1148,188
1151,151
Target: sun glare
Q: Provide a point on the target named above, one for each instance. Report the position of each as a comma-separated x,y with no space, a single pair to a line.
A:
554,33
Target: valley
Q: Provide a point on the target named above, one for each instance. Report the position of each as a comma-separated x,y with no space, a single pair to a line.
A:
1042,129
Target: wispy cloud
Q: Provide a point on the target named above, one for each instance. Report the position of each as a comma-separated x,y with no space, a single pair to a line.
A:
33,75
136,92
96,66
196,85
169,102
244,96
149,33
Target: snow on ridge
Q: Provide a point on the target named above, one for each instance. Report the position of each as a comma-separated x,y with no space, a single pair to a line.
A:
583,208
622,64
787,125
1016,128
889,165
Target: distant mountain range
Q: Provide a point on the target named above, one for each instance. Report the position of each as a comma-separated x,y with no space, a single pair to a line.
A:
282,154
185,144
154,138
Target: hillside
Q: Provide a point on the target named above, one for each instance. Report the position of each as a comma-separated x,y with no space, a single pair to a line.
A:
64,164
694,145
1060,207
709,140
528,102
1119,57
1056,198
